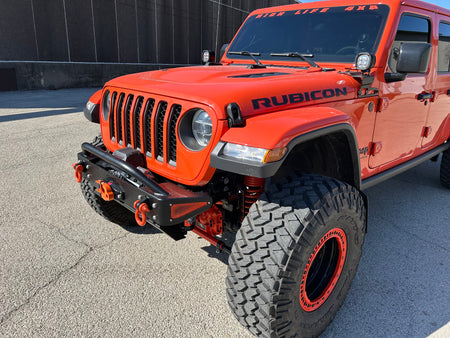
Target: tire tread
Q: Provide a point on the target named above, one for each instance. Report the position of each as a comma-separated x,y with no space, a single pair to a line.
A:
445,169
282,219
112,211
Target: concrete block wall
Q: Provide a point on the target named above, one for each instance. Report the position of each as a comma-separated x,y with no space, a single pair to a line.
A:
72,43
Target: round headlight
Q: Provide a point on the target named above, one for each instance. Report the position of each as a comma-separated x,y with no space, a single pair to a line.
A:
106,105
202,127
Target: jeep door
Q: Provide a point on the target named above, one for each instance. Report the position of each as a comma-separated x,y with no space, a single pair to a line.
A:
439,113
399,125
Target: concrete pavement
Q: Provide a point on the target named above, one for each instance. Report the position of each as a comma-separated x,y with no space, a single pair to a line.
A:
65,271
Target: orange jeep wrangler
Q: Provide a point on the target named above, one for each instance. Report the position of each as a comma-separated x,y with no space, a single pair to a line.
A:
309,105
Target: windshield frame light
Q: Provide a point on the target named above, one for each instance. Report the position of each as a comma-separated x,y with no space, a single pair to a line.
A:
364,61
208,56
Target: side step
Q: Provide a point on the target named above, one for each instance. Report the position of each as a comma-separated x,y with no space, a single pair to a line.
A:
373,180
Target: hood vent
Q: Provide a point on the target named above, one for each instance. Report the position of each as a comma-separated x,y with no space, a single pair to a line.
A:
258,75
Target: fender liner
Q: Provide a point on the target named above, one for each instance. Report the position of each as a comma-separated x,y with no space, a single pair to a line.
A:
264,170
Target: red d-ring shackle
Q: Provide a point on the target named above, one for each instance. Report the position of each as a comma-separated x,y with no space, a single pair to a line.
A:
140,214
78,170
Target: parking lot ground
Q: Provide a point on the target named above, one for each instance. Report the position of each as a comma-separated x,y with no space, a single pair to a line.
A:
65,271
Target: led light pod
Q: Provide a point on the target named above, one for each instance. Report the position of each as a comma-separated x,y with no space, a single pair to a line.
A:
364,61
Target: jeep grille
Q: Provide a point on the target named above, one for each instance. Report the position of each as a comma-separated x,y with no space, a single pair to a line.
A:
125,116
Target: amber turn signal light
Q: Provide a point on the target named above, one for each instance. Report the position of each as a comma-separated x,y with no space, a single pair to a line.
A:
274,155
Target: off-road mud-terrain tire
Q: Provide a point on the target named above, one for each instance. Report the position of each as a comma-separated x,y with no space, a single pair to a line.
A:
269,281
111,210
445,169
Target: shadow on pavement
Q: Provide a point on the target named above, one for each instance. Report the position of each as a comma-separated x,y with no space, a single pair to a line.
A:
25,116
228,238
145,230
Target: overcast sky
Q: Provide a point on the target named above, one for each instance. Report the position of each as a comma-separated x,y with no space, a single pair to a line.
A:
442,3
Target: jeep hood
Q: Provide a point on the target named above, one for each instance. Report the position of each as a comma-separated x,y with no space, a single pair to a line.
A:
255,90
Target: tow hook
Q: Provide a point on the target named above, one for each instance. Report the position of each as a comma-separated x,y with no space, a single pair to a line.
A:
105,190
141,212
79,168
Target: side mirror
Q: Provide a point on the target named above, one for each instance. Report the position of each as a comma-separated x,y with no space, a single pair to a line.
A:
414,57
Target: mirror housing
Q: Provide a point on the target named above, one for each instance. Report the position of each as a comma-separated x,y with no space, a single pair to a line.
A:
394,77
414,57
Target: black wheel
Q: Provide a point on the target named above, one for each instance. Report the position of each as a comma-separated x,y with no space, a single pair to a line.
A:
445,169
111,210
295,256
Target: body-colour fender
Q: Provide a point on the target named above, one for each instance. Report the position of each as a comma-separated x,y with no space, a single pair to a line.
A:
285,129
96,97
277,130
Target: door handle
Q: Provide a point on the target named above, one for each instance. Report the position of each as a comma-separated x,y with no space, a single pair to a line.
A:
425,96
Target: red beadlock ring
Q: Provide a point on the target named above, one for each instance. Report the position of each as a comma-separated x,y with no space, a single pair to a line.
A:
334,246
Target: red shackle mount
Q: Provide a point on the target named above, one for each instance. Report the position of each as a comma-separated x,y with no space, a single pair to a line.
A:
141,212
105,190
79,168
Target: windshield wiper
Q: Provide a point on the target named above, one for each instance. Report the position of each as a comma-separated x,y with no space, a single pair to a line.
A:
252,55
304,57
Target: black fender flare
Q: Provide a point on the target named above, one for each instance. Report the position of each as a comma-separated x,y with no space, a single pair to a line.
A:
92,109
265,170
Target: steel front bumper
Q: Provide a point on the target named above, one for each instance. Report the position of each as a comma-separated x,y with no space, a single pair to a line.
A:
161,204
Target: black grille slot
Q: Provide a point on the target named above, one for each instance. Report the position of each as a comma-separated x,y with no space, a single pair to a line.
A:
148,126
112,125
119,118
159,130
137,122
172,137
127,140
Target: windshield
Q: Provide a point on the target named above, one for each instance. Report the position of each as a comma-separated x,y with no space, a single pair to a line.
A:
331,34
